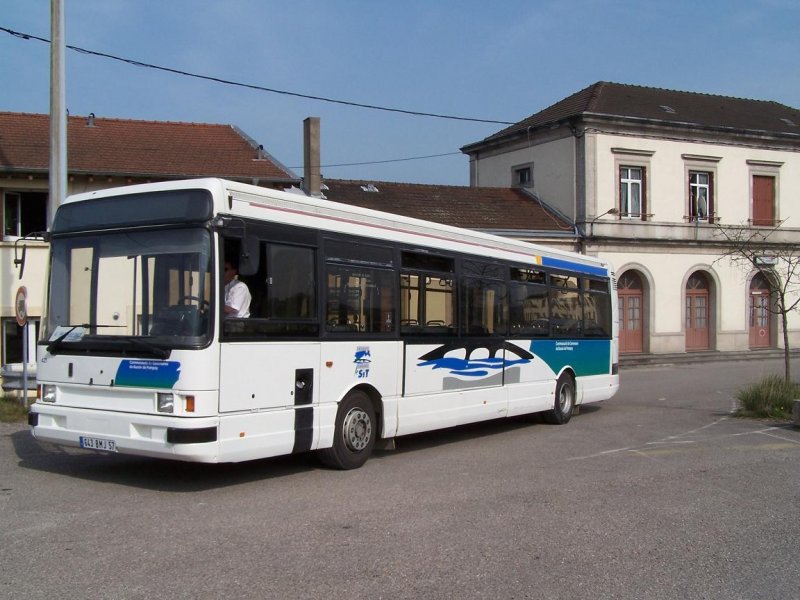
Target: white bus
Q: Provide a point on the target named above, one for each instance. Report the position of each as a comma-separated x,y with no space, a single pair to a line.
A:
363,326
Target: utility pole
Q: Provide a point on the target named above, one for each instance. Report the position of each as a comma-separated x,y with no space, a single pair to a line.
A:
58,112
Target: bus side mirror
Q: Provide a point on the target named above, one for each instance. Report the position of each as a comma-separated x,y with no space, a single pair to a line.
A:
19,259
21,248
248,256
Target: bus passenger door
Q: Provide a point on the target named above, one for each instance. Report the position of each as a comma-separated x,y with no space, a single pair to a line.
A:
274,388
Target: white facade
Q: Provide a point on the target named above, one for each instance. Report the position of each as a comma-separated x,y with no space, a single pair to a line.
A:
665,242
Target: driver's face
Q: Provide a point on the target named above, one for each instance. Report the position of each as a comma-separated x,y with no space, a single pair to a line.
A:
230,272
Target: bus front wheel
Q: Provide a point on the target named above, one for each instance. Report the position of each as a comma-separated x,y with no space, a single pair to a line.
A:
564,403
354,433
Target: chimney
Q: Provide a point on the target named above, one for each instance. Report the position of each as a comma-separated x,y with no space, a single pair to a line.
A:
312,180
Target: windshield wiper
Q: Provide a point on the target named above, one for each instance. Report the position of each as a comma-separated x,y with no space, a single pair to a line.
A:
56,343
61,340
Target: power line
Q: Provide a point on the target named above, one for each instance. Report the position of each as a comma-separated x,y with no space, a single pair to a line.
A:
28,36
381,162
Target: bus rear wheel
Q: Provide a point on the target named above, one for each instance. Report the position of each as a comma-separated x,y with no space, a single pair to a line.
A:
354,433
564,403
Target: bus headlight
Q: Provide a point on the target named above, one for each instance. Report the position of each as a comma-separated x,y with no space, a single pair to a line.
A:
47,393
166,403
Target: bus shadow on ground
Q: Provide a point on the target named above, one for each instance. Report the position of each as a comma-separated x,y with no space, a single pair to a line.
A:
178,476
461,433
152,473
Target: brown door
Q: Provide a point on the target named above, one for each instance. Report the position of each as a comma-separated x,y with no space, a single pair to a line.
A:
760,316
631,299
763,200
697,313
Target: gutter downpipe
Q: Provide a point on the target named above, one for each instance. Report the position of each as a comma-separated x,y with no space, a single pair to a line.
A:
576,232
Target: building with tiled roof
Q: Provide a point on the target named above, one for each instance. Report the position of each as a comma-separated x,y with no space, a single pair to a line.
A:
604,101
118,150
654,179
511,212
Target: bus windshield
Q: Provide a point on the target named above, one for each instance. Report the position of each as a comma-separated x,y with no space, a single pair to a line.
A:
134,292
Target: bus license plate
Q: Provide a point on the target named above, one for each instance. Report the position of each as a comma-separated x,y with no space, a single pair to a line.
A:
98,444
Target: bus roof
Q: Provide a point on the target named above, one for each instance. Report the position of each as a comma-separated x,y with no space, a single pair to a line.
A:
244,200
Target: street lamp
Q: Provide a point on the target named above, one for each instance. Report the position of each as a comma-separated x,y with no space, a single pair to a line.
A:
610,211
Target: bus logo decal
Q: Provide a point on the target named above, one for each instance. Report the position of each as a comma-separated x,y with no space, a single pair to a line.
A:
148,373
362,361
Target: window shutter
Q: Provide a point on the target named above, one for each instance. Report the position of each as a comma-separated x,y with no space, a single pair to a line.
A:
644,194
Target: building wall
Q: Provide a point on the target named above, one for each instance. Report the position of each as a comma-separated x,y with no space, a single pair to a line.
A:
580,176
553,170
35,274
667,176
665,274
668,248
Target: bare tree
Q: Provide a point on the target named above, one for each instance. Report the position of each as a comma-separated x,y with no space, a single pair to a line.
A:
777,261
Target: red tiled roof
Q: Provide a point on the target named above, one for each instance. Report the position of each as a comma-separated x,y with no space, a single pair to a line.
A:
470,207
647,104
158,149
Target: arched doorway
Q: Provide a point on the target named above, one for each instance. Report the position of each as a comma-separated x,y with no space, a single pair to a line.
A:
697,312
630,292
758,310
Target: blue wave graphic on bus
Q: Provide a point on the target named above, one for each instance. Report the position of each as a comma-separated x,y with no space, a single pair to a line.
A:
472,368
475,367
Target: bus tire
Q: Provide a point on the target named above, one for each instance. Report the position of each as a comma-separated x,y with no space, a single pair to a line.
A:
564,403
354,433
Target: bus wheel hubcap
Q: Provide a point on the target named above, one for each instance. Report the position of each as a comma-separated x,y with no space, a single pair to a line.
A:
565,399
357,430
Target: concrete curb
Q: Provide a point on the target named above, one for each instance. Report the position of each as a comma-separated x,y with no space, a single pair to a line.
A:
796,413
679,358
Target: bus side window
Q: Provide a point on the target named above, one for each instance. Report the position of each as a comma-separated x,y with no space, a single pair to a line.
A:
529,310
427,304
283,293
484,308
409,304
359,299
596,309
290,283
566,308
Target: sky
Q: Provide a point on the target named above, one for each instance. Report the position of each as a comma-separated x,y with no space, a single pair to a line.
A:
500,61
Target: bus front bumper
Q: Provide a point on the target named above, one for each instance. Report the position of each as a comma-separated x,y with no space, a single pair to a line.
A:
189,439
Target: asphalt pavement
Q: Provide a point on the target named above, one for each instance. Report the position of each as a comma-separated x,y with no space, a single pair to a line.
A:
657,493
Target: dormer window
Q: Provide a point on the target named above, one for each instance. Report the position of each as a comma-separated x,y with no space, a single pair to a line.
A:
522,176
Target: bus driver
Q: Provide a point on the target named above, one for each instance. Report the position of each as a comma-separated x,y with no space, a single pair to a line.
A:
237,294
